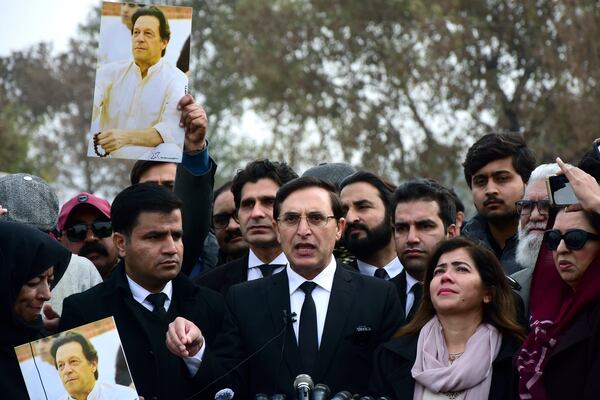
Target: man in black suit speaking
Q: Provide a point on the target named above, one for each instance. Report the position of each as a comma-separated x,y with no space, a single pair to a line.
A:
340,316
147,291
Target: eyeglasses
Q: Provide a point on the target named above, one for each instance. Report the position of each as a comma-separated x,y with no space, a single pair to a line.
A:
78,232
525,207
221,220
574,239
314,219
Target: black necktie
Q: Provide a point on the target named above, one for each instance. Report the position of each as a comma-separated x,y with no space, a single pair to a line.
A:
267,269
158,301
380,273
417,290
307,332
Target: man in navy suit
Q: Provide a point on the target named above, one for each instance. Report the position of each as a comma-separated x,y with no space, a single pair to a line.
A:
338,317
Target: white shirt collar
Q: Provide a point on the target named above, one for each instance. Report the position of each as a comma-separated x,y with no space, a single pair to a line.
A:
393,268
254,261
140,294
323,280
151,69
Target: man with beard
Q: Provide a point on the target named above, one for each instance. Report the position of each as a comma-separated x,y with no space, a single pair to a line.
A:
496,168
85,229
533,210
424,215
368,234
227,230
254,189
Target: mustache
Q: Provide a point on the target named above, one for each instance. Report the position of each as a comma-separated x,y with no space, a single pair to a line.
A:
356,225
492,198
233,234
93,247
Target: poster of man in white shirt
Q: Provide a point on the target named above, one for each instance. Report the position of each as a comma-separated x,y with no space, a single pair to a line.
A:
87,362
134,113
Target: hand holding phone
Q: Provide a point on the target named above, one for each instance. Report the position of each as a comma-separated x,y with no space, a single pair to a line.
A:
560,191
585,187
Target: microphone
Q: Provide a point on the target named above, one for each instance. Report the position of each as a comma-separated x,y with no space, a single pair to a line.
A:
321,392
224,394
343,395
278,396
261,396
303,384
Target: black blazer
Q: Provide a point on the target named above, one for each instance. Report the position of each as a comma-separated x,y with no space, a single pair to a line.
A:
362,313
224,276
394,360
113,297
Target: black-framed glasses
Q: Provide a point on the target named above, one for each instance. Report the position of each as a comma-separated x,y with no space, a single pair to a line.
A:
314,219
221,220
574,239
525,207
78,232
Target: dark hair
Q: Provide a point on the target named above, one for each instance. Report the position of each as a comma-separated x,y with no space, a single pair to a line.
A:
308,182
460,207
385,188
495,146
140,167
500,311
143,197
89,351
278,172
226,187
427,190
153,11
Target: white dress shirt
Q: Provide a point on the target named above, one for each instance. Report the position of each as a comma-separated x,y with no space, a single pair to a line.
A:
393,268
140,294
110,391
320,295
125,100
253,263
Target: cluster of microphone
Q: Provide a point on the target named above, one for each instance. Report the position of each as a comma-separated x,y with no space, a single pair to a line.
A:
305,390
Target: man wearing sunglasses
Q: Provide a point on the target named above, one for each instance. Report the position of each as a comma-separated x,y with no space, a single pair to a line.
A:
85,228
227,230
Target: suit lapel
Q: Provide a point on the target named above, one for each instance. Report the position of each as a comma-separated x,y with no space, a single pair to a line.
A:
238,273
278,294
400,282
341,301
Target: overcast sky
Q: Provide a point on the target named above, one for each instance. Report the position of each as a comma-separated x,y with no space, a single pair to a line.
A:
27,22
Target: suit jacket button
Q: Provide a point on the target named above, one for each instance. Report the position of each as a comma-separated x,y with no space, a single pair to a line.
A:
151,353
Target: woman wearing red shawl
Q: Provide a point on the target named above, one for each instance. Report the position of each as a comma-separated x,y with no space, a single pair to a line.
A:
561,356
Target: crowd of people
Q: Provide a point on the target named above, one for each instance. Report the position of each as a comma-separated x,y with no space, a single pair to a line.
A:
368,287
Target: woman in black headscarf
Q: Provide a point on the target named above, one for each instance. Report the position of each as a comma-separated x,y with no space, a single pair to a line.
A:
31,263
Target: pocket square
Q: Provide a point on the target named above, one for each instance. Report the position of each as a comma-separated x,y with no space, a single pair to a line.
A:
361,335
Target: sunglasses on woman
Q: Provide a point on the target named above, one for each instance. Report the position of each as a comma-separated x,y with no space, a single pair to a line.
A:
78,232
574,239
